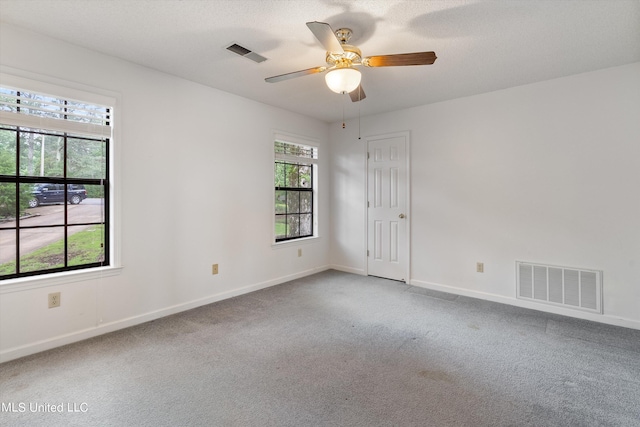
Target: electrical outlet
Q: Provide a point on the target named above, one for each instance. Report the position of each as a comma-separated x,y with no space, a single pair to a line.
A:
300,252
54,300
480,267
214,269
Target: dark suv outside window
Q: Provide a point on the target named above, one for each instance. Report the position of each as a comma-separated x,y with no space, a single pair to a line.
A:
48,194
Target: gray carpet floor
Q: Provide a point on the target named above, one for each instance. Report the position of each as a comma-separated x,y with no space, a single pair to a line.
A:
336,349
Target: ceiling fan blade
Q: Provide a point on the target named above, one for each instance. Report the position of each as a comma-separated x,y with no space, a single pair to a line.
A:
295,74
357,94
400,59
326,36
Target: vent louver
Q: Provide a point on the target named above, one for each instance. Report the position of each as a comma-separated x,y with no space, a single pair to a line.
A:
565,286
246,53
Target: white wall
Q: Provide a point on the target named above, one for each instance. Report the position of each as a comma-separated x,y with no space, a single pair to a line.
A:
196,173
547,172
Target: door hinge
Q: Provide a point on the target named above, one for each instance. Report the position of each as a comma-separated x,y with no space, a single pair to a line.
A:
367,203
367,252
368,155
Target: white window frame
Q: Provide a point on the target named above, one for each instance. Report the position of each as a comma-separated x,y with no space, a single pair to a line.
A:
64,89
305,141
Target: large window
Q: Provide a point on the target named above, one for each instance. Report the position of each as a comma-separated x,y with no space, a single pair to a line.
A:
54,183
295,177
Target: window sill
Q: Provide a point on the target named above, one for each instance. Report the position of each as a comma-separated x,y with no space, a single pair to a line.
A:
296,242
35,282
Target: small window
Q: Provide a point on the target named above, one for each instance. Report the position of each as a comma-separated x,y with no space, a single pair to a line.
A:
295,177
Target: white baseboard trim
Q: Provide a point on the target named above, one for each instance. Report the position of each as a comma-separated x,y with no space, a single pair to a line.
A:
600,318
346,269
104,328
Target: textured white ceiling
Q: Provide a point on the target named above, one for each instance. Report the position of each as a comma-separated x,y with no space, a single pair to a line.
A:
481,45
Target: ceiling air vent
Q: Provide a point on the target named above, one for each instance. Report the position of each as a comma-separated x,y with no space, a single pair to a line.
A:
246,53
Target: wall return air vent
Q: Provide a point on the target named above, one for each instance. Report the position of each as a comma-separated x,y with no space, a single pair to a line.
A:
574,288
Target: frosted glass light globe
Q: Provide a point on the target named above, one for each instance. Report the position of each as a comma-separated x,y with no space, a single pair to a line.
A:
343,80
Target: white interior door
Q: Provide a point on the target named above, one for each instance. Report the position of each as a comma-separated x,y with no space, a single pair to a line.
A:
387,199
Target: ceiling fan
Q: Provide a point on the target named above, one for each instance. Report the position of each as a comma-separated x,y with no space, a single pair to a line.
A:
342,58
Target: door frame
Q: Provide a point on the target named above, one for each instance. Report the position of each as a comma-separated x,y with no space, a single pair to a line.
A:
407,138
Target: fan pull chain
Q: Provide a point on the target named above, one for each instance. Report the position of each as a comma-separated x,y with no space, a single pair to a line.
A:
359,115
343,125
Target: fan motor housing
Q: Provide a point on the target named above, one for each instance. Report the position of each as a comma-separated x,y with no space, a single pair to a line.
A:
351,55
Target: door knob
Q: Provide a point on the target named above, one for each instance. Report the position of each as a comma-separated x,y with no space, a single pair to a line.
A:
401,216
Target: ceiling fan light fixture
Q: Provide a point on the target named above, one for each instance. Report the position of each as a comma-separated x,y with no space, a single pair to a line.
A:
343,80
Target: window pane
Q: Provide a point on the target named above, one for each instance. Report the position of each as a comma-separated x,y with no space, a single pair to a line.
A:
9,96
305,176
281,202
86,244
41,249
7,252
291,175
37,104
7,205
83,208
45,203
281,226
306,201
41,155
86,158
94,193
279,175
41,105
296,150
293,201
86,113
306,224
293,226
7,152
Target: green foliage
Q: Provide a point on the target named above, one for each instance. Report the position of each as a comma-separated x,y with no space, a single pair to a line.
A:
95,192
292,175
7,152
7,197
8,167
281,229
85,158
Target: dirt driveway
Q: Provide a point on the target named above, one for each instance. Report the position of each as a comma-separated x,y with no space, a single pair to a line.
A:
90,210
